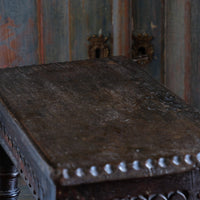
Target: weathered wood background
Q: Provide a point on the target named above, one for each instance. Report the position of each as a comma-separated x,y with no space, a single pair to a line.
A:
38,31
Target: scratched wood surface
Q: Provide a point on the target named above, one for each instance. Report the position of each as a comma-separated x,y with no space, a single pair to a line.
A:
109,104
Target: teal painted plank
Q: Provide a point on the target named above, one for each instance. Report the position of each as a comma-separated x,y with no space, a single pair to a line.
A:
18,33
67,24
122,27
54,33
178,47
195,41
87,18
148,18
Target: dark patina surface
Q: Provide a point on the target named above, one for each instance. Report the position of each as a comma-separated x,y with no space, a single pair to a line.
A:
94,121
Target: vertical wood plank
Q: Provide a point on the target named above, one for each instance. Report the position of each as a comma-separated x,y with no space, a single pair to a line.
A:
68,24
195,52
188,53
93,17
174,42
55,30
122,27
148,18
18,33
40,31
178,47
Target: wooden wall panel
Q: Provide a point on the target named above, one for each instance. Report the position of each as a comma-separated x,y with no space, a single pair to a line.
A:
178,47
195,52
182,47
54,30
67,24
148,18
18,33
122,22
94,17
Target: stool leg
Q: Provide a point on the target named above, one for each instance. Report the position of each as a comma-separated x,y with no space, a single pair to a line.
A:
8,178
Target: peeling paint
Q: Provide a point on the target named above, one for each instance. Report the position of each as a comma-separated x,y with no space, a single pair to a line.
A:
7,38
18,34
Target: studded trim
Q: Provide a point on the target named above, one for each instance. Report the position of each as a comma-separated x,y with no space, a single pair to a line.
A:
109,169
148,166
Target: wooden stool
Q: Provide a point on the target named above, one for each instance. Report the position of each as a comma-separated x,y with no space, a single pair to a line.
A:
96,129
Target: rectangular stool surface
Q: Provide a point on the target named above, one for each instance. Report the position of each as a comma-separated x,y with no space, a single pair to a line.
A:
94,122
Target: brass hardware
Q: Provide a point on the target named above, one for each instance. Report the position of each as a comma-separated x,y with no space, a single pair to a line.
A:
142,49
98,47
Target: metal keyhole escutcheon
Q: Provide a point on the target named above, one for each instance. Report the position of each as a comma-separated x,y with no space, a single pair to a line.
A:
98,47
142,49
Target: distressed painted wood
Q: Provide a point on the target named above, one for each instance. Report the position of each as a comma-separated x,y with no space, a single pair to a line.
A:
18,33
54,30
65,33
195,53
94,17
178,47
122,27
182,49
148,18
58,33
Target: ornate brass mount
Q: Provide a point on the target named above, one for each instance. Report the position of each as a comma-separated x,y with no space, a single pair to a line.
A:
98,47
142,49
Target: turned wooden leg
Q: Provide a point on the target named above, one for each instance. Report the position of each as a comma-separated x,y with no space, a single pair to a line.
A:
8,178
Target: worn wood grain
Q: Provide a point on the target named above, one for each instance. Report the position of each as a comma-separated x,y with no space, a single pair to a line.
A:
148,18
66,32
18,33
182,49
195,52
55,31
178,47
87,103
122,22
94,17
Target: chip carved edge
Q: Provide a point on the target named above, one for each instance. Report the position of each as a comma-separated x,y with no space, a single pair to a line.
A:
25,167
